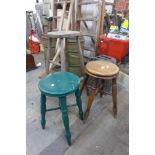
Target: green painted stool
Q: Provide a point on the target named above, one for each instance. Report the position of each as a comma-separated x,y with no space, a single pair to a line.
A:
60,84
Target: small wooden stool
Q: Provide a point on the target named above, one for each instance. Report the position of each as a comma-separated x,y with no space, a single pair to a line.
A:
60,84
62,35
100,70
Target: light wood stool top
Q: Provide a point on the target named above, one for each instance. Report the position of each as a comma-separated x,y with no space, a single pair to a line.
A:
63,34
102,68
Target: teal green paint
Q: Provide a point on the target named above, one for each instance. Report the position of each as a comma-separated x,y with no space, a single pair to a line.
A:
62,102
79,103
57,108
43,110
60,84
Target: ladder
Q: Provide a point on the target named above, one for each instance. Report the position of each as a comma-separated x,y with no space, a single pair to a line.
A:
97,21
68,25
64,5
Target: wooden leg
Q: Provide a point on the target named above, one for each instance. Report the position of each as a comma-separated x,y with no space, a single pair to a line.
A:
84,83
79,103
48,55
62,54
92,94
62,102
102,88
81,55
43,110
114,96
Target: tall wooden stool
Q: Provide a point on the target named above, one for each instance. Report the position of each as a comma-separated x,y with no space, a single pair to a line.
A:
62,35
100,71
60,84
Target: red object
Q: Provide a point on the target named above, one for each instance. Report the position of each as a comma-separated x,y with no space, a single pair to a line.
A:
121,5
113,47
33,45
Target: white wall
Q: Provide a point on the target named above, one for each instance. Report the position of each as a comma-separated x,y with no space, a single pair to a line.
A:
30,5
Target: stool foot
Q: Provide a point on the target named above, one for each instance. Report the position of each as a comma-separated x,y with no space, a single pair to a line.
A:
68,137
43,110
79,103
114,96
115,113
62,102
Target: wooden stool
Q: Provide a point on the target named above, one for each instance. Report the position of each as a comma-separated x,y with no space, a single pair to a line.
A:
100,70
60,84
62,35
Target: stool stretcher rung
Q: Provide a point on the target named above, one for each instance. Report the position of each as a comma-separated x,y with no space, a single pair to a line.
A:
51,109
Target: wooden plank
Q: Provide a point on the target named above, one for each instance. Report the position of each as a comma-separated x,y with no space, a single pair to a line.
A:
73,24
62,55
78,16
59,17
61,2
54,22
86,3
88,34
109,3
102,17
99,20
81,55
87,19
55,63
63,34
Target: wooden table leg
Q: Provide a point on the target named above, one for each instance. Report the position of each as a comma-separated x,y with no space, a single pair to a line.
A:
92,94
114,96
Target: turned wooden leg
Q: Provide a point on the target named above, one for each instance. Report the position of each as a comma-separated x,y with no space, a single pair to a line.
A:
84,84
79,103
92,94
114,96
63,108
43,110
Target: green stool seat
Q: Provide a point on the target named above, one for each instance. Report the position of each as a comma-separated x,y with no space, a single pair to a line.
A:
60,84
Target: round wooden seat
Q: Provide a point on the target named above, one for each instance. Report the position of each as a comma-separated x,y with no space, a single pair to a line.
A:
102,68
59,84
